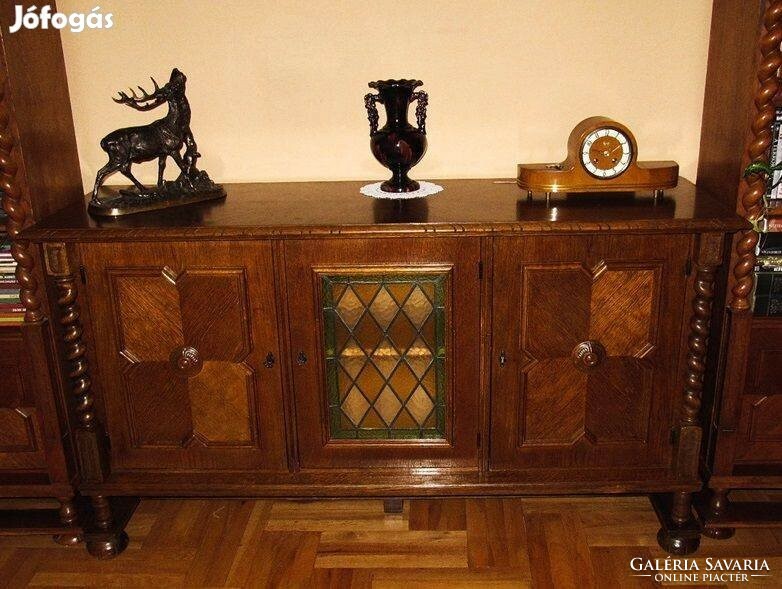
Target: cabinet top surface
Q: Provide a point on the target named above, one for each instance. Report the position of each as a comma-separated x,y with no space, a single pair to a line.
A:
337,208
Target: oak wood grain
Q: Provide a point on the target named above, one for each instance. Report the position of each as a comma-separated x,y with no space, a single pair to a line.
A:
519,542
295,209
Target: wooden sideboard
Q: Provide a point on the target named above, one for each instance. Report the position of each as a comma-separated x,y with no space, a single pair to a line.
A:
302,340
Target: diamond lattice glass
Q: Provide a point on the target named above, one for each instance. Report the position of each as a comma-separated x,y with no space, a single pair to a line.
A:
385,355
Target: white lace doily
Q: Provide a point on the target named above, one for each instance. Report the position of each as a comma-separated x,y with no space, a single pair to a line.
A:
425,189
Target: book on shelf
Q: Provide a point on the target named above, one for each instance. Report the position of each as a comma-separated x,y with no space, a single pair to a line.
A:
768,275
768,293
12,319
774,190
769,244
11,309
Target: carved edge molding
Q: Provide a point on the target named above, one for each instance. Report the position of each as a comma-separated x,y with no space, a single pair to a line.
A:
400,230
708,261
14,203
752,189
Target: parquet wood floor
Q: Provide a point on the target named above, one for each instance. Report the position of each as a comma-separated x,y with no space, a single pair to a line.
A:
581,542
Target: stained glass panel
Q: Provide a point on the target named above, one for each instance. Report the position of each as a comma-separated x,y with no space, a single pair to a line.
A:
385,355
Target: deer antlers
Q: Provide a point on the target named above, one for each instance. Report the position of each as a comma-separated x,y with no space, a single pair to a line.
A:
144,102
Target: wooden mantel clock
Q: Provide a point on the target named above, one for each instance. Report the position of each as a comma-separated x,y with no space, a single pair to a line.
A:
602,156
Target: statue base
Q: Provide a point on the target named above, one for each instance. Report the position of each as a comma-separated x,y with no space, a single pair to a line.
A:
130,201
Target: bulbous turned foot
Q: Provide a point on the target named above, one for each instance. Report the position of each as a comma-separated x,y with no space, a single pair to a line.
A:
718,507
107,548
68,539
719,533
68,518
679,533
677,544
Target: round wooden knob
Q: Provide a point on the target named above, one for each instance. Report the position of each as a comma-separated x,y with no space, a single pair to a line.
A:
187,361
588,354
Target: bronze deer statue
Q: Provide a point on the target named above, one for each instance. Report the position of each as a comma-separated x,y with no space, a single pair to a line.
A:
161,139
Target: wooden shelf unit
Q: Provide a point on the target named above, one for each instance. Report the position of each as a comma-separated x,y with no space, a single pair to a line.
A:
742,404
36,181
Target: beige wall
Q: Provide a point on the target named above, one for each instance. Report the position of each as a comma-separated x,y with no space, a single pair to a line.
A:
277,87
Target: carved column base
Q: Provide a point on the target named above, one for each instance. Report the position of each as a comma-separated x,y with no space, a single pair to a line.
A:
680,533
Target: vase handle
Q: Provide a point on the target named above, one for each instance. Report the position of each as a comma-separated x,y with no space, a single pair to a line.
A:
420,110
370,102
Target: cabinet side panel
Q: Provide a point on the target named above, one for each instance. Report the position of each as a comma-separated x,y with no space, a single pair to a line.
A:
730,84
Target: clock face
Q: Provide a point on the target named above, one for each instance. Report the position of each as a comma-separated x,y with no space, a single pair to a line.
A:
606,153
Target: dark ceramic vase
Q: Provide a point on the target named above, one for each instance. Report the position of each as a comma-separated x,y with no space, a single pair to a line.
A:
397,145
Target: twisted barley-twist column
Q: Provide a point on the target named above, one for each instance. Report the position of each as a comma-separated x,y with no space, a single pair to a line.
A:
752,189
700,324
75,351
15,205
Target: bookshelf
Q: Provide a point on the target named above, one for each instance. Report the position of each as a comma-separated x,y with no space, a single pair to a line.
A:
742,396
11,308
35,180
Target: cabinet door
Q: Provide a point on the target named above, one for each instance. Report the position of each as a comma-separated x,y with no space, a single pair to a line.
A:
760,425
182,336
586,338
21,441
386,334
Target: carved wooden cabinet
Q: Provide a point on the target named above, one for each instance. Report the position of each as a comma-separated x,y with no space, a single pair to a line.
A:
21,438
472,343
760,422
586,329
390,378
188,341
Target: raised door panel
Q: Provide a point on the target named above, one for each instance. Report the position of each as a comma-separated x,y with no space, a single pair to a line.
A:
765,358
760,424
386,334
21,442
586,334
185,338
